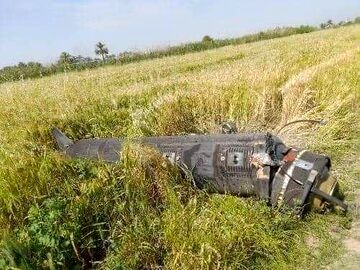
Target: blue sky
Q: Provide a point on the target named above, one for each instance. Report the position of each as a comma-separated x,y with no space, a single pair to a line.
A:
39,30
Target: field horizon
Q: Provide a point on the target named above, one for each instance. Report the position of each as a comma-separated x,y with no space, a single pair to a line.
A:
57,213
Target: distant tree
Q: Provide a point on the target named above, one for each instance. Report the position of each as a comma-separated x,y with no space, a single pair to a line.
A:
304,29
207,38
111,56
82,60
327,24
22,65
125,54
79,59
357,20
102,50
65,58
33,64
110,59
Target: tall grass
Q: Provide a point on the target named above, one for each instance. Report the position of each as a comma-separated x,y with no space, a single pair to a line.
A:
36,70
141,213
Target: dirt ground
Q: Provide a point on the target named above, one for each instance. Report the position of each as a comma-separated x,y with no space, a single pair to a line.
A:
351,258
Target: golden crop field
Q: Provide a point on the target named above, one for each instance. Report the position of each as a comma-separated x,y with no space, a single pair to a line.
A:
56,213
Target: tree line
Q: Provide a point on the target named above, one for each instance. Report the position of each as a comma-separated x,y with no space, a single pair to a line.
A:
68,62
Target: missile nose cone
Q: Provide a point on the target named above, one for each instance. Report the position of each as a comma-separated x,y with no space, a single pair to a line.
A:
61,139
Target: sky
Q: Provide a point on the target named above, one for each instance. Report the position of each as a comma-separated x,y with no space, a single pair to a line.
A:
39,30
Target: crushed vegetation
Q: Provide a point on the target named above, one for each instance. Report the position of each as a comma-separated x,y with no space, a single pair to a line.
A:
141,213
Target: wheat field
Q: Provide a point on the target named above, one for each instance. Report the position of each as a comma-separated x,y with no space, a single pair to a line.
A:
58,214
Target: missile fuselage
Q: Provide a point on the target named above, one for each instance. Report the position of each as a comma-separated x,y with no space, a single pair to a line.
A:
249,164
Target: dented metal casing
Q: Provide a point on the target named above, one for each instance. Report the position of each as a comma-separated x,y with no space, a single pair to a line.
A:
250,164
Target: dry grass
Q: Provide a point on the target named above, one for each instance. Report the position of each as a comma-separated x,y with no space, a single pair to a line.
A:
260,86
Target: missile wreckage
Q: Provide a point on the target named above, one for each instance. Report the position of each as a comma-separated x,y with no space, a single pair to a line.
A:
240,164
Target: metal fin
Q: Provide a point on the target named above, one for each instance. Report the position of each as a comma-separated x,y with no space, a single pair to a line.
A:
61,139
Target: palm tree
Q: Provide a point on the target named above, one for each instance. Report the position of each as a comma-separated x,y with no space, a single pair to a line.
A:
101,49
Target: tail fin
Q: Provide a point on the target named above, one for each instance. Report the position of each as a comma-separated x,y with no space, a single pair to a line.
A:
61,139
